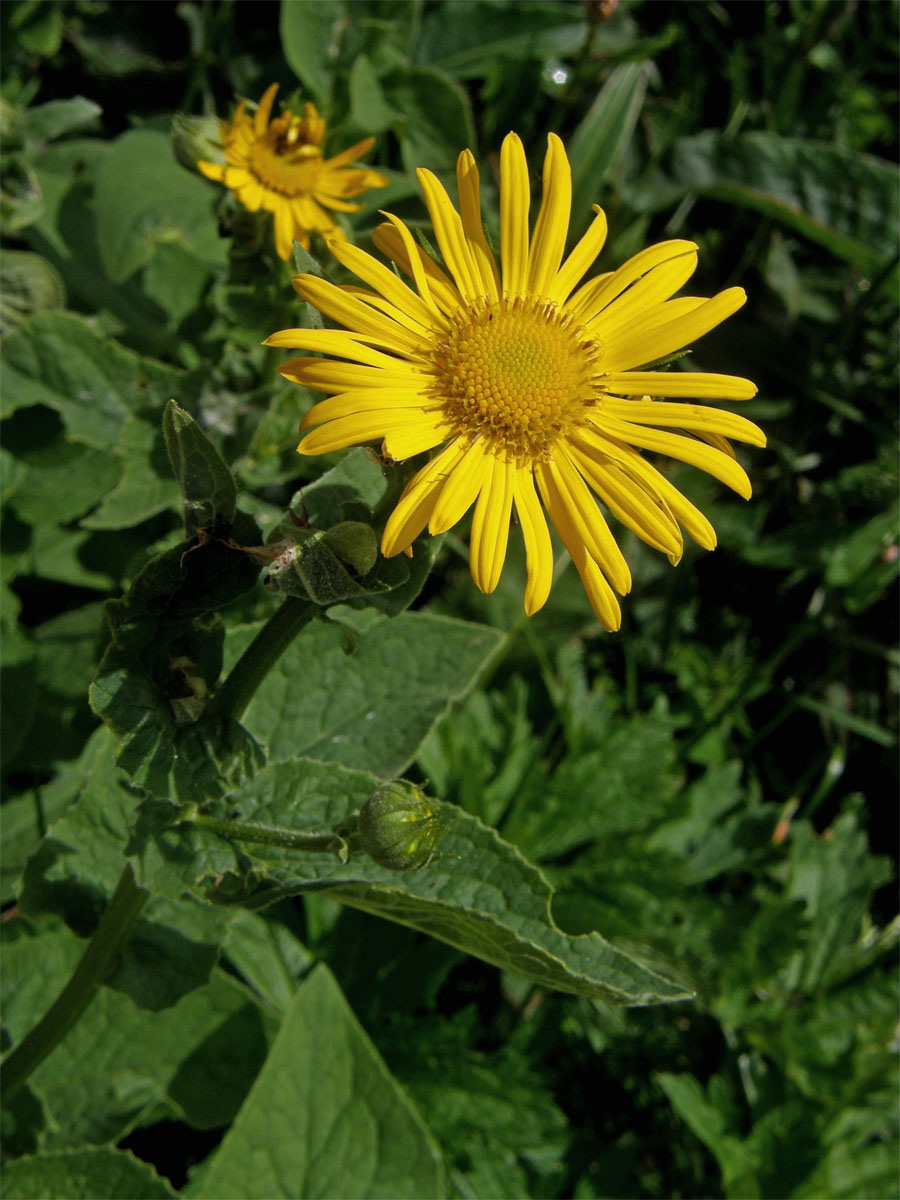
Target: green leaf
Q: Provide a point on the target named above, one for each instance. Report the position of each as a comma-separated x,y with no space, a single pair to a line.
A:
162,663
709,1124
209,491
325,1117
39,28
18,695
853,554
310,33
65,233
494,1113
146,487
95,1173
175,279
369,108
479,894
28,284
467,38
598,144
196,1059
23,819
835,880
438,122
57,117
64,480
143,197
74,870
846,201
268,956
66,652
622,787
95,385
370,704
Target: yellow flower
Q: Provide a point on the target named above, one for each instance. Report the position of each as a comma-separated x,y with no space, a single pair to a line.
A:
531,386
278,166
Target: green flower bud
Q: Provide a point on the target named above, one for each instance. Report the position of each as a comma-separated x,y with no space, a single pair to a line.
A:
401,828
355,544
197,138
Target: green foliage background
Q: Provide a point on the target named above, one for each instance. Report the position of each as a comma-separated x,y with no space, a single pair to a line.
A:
713,789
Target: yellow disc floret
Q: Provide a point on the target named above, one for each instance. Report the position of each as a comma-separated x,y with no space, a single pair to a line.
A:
517,372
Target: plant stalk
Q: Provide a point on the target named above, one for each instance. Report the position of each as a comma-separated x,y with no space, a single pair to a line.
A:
115,924
266,835
260,656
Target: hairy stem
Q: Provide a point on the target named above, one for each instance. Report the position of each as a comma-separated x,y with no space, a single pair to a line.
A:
260,656
266,835
115,925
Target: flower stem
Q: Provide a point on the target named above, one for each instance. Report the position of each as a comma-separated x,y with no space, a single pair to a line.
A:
115,925
260,656
266,835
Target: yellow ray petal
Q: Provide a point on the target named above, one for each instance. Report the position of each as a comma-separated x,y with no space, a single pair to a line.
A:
538,547
444,291
331,202
414,264
448,230
324,376
377,301
263,110
633,348
695,384
468,186
654,288
309,215
548,242
490,524
515,199
423,432
686,416
459,492
603,601
416,504
691,519
286,230
334,341
235,177
685,449
580,259
352,430
600,594
251,196
387,284
214,171
716,439
587,520
591,299
633,505
356,315
581,305
386,400
351,154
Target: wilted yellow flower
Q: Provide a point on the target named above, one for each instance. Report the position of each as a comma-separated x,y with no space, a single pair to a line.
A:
278,166
522,380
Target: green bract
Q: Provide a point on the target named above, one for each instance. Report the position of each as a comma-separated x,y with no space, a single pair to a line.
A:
400,828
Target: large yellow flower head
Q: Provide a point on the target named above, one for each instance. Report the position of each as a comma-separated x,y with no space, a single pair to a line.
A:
529,385
278,166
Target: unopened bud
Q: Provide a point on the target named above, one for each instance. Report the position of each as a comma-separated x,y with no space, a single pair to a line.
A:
196,138
355,544
400,828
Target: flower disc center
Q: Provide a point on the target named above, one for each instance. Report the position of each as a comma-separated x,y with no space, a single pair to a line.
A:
283,160
515,371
